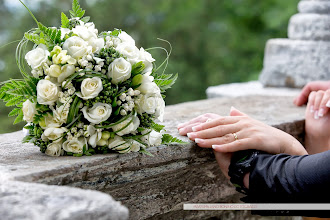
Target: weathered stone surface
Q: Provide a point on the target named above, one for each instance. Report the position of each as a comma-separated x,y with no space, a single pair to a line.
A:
33,201
248,89
293,63
152,187
309,27
317,7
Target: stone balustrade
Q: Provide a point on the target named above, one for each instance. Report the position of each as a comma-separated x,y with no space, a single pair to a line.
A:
35,186
304,56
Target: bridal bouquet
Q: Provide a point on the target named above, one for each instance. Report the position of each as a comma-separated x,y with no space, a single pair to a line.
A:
87,92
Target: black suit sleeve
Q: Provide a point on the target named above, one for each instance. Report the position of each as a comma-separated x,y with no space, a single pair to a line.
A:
286,178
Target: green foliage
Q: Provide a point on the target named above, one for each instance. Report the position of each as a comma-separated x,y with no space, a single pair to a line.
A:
74,109
76,10
165,81
15,92
169,139
157,127
65,21
51,36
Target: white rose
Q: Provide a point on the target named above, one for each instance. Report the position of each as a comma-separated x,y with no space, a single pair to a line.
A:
29,110
89,34
115,142
119,144
54,149
160,110
119,70
77,47
98,113
47,92
84,32
97,44
154,138
35,58
134,124
136,146
53,134
48,121
75,145
126,38
147,59
90,88
95,135
148,86
130,51
66,71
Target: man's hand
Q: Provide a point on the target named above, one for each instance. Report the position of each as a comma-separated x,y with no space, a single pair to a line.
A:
308,88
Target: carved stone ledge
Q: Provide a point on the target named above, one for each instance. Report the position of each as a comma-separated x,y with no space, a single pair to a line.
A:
150,187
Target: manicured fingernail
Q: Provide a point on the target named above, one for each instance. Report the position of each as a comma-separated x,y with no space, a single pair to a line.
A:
199,141
328,104
321,112
311,108
191,135
181,130
216,146
196,128
316,115
180,125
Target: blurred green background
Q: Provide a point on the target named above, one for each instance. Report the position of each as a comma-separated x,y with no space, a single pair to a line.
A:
214,41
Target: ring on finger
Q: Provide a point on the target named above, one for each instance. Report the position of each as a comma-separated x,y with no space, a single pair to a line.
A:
235,136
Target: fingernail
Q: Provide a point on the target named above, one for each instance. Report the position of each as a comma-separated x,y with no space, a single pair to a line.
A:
180,125
316,115
181,130
328,104
321,112
216,147
311,108
191,135
196,128
199,141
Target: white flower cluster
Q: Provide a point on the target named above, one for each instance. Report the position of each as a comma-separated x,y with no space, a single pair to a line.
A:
95,93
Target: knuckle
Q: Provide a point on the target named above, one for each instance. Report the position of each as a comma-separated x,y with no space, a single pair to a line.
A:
227,138
219,130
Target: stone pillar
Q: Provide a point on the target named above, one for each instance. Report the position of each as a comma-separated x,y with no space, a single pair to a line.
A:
305,55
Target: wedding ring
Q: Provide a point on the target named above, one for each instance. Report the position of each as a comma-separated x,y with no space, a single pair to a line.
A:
208,120
235,136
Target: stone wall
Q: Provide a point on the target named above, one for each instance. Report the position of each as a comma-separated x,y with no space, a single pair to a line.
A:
304,56
150,187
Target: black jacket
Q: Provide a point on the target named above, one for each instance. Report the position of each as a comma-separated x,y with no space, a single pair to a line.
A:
284,178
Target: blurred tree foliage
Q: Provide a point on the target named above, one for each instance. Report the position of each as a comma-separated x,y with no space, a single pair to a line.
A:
214,42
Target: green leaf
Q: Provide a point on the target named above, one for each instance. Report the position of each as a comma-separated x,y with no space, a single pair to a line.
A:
19,118
15,101
76,10
166,82
169,139
27,139
35,38
15,112
65,21
144,151
85,19
157,127
74,109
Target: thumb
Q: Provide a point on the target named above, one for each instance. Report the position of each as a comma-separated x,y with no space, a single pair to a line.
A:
235,112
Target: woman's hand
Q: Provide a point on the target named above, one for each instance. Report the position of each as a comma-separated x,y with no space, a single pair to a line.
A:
251,134
317,124
310,87
185,128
